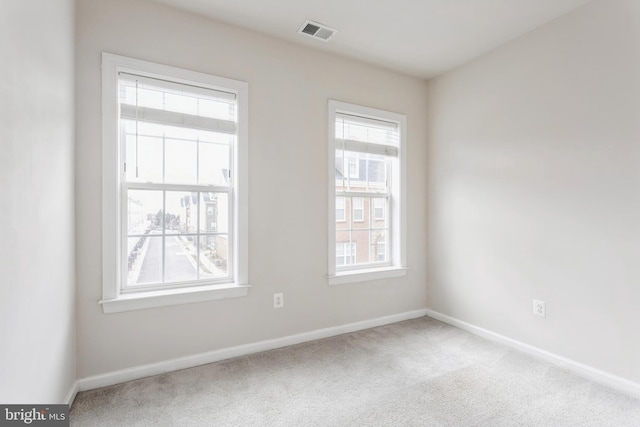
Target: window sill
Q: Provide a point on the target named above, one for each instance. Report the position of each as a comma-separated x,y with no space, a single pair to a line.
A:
353,276
164,298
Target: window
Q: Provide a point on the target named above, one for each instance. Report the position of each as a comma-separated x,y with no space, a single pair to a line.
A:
174,185
367,172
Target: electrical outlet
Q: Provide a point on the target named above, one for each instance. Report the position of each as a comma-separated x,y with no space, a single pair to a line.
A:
539,308
278,300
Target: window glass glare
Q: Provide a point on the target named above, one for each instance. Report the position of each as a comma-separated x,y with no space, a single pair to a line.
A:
144,158
213,164
181,160
160,153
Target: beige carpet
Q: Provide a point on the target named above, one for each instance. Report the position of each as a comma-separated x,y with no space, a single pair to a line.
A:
415,373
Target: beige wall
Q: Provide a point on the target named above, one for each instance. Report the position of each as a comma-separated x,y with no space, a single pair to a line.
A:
535,188
288,91
37,283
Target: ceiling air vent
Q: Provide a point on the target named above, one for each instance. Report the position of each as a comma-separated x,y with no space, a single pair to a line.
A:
317,31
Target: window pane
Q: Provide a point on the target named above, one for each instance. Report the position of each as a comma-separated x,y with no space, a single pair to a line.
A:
354,168
345,253
214,256
343,233
144,211
361,171
214,212
361,239
144,260
180,258
180,133
181,212
379,212
359,212
145,97
376,172
217,108
181,165
379,248
349,171
181,103
143,158
214,164
145,128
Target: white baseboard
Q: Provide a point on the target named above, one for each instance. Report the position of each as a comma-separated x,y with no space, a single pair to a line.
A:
71,395
137,372
580,369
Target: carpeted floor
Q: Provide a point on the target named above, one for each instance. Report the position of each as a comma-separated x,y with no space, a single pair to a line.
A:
415,373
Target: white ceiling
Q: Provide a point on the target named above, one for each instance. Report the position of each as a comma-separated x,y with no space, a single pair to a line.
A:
419,37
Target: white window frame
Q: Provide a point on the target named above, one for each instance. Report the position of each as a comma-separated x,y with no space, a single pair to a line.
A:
396,211
114,299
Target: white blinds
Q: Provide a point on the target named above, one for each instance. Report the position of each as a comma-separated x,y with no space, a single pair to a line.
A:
150,100
366,135
162,117
178,88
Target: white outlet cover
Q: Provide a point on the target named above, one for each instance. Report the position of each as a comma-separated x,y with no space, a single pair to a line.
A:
278,300
539,308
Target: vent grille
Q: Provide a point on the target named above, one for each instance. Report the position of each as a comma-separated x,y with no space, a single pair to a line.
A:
317,31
